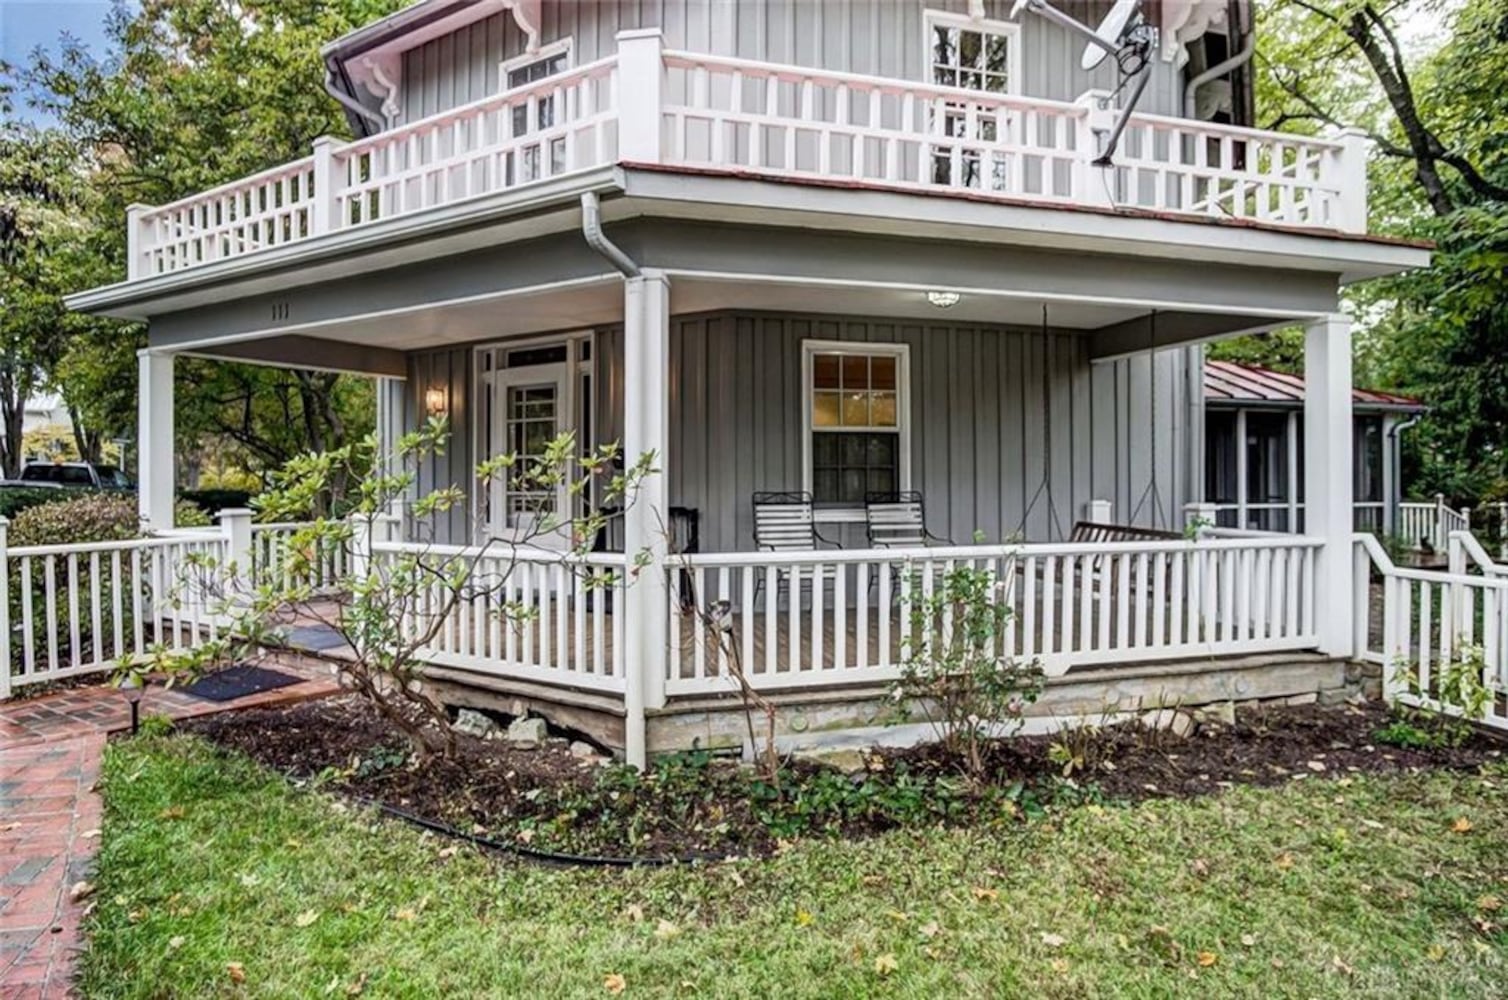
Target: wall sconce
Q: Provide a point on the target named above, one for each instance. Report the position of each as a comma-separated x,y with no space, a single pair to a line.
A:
434,401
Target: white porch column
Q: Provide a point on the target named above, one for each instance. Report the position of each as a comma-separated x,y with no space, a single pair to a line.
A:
1327,475
154,439
646,424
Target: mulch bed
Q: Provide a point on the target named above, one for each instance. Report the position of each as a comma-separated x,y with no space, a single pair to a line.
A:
548,798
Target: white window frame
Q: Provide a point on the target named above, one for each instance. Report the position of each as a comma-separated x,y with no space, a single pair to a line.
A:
902,354
572,339
1010,29
565,45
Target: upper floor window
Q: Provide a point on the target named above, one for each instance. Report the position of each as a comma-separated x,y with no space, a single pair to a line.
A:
548,61
973,54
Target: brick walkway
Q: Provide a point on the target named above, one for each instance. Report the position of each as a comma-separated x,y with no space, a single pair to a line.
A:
50,814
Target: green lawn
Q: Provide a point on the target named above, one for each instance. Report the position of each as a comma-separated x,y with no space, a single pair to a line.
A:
215,879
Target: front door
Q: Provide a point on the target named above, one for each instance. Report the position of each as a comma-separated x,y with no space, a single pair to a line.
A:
528,403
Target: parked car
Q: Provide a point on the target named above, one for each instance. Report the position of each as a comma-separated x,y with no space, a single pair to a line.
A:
75,475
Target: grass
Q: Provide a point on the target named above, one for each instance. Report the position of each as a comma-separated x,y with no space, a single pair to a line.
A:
217,879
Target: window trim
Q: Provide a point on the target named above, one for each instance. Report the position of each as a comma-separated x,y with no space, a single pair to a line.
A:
564,46
1010,29
902,354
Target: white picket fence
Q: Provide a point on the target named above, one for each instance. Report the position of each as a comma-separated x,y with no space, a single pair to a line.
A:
523,613
845,617
1426,620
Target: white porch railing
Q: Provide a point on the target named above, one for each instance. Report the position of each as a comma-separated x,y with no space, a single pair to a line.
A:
67,610
271,556
844,617
527,614
1424,620
1431,524
726,115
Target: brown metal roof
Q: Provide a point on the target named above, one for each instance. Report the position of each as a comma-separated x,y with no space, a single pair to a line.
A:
1229,383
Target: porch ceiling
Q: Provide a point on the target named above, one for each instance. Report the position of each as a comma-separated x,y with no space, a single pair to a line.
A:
598,303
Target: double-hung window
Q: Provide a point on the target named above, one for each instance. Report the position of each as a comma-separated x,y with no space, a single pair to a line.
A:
972,55
536,112
856,401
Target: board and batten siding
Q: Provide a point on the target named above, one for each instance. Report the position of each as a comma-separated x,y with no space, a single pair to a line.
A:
979,427
871,37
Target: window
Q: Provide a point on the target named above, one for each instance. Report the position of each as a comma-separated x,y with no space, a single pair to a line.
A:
974,55
549,61
856,401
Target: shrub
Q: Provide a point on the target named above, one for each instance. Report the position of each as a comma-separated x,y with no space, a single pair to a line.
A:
93,517
951,670
15,499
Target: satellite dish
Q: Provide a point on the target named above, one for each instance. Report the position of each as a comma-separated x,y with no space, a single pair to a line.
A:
1123,34
1108,35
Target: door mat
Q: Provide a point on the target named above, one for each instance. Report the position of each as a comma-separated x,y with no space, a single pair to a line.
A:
314,638
238,682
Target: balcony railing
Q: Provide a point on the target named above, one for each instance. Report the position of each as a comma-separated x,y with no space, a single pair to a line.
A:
651,106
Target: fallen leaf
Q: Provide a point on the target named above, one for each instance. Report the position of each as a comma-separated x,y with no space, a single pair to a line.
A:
249,880
1489,904
1317,767
236,971
982,893
355,988
666,930
447,852
306,918
1207,959
406,913
804,918
524,836
176,942
171,812
1341,966
898,916
1199,866
89,834
634,912
1248,939
929,930
614,983
885,964
1436,953
1461,825
1054,940
1284,861
80,891
1060,965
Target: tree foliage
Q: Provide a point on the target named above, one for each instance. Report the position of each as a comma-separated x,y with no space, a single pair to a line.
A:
198,92
1433,102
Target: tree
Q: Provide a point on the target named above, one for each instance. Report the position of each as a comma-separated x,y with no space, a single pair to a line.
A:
1434,109
44,200
200,92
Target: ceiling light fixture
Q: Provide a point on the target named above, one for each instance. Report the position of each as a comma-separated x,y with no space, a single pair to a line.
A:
943,300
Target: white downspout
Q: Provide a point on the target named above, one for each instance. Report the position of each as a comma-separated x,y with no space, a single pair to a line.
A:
1218,70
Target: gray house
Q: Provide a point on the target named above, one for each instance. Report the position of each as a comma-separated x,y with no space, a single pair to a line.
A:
829,249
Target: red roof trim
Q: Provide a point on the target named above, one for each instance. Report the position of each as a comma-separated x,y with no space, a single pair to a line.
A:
1230,382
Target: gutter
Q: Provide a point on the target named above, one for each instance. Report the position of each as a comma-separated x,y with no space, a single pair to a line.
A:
1396,433
591,231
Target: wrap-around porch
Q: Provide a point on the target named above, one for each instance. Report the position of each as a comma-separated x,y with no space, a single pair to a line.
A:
1013,399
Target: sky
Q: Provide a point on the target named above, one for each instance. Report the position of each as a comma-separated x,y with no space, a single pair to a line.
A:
27,24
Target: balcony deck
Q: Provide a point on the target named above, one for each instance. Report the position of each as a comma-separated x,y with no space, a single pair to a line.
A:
648,106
